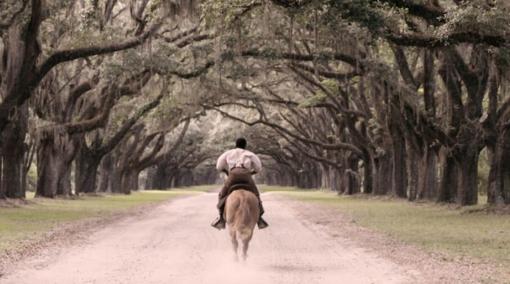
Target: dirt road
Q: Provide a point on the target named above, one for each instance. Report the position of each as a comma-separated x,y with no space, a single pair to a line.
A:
174,243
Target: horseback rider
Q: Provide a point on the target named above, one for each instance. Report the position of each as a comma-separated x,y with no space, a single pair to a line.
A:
239,164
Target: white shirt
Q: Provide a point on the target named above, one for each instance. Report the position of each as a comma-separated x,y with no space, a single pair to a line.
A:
239,158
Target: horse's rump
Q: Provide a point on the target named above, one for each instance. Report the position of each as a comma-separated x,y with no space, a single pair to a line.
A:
242,213
242,209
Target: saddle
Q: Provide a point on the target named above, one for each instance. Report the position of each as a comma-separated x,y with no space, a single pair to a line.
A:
237,186
234,187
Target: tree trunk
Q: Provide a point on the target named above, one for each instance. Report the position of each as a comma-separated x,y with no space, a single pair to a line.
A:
151,177
86,171
23,192
55,154
2,190
335,180
498,191
12,170
129,180
161,177
351,177
47,170
106,174
176,180
64,186
116,180
18,67
135,181
324,176
449,178
369,175
399,172
468,186
427,182
398,153
13,143
20,56
384,174
413,169
171,179
186,179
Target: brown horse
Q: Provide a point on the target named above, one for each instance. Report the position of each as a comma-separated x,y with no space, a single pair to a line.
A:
242,213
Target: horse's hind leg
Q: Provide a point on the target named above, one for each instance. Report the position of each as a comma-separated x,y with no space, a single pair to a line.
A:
246,243
235,244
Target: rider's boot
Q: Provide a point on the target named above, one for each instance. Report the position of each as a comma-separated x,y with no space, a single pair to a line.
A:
219,223
262,224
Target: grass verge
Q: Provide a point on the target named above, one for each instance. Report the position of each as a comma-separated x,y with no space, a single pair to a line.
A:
273,188
430,226
28,222
201,188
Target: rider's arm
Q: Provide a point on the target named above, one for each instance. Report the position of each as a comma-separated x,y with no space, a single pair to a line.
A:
257,165
221,164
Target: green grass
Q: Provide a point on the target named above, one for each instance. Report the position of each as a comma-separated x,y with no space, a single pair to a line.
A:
272,188
430,226
202,188
42,215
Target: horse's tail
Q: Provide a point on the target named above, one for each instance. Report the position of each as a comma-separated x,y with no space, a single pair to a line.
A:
242,215
244,231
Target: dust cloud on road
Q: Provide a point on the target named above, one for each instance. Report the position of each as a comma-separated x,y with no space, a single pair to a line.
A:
174,243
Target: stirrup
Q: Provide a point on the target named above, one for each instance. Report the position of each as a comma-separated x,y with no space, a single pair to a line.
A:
262,224
219,223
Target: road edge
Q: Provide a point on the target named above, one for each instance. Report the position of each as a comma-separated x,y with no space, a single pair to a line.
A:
73,232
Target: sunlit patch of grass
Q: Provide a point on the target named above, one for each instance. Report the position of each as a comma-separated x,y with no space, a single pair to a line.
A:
428,225
42,215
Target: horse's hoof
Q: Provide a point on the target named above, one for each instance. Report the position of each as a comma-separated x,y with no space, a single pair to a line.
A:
262,224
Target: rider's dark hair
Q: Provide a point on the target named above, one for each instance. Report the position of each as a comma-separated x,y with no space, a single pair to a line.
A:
241,143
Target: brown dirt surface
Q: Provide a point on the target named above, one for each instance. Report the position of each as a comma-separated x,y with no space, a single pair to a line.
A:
426,267
174,243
